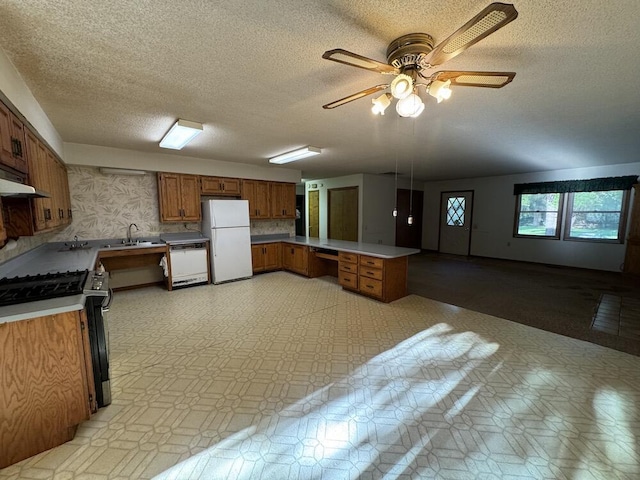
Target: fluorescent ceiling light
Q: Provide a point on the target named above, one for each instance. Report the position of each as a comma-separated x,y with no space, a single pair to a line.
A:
295,155
182,132
121,171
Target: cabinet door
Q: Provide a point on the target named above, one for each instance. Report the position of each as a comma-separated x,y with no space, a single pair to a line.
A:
3,231
257,193
45,211
6,146
257,258
289,199
263,199
295,258
53,169
272,256
210,185
231,186
19,151
170,202
277,200
190,195
47,396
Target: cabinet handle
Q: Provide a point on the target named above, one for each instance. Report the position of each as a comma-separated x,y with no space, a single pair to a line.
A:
347,280
69,213
369,286
47,214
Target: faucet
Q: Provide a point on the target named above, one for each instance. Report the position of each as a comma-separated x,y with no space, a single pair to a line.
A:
129,238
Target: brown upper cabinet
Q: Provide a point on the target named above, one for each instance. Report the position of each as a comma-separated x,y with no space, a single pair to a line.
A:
179,197
25,217
258,193
283,200
220,186
12,141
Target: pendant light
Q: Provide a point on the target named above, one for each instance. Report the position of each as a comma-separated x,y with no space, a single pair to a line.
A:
395,191
410,217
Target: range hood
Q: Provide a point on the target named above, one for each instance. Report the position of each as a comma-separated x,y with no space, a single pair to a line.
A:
13,185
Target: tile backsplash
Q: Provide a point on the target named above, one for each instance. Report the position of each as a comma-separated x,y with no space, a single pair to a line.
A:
104,206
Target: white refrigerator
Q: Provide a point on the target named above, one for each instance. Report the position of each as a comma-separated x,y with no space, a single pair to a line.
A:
226,224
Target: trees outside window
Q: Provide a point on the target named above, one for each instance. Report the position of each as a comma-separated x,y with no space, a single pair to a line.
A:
539,215
596,216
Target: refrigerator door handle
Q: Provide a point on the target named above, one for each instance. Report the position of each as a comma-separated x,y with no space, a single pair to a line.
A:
215,249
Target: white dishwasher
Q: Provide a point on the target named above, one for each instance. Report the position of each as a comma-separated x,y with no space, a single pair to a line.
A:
189,264
188,261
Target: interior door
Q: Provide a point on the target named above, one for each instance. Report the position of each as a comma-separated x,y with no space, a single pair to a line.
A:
343,214
314,213
409,236
456,209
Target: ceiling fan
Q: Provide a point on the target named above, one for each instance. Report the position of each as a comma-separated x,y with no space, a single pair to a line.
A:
409,56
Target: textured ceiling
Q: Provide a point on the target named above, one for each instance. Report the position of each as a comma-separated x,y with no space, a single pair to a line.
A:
118,74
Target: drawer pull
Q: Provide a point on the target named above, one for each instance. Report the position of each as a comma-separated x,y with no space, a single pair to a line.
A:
369,286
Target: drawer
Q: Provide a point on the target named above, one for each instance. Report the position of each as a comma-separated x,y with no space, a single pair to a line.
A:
348,267
347,257
369,272
348,280
371,261
370,286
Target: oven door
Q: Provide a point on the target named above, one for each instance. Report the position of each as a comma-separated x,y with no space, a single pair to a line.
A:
96,308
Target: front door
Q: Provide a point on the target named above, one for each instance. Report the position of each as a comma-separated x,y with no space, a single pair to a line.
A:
455,222
314,213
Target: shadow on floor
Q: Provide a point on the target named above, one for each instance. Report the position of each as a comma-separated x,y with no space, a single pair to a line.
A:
562,300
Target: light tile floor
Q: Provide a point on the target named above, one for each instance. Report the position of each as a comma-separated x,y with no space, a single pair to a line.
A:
284,377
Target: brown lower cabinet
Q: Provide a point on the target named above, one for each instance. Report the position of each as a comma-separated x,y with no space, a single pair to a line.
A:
266,257
381,278
295,258
46,383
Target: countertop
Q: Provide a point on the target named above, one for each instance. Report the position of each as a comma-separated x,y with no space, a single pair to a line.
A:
52,258
371,249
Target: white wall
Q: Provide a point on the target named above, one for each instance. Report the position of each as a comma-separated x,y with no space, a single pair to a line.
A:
16,91
376,199
97,156
494,215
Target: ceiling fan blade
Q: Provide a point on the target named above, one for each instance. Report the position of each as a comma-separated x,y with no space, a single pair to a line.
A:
353,59
475,79
492,18
355,96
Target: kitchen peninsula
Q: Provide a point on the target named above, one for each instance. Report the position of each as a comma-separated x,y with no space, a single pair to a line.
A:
375,270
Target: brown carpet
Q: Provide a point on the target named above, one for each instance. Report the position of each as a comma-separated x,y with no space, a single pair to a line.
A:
557,299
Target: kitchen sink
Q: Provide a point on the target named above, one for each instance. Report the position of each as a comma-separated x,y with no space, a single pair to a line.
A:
135,243
73,248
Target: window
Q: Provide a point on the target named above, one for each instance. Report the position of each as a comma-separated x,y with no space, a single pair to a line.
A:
538,215
595,209
455,211
596,216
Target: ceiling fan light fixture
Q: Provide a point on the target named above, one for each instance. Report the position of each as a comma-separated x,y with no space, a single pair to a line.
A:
381,103
411,106
440,90
295,155
181,133
402,86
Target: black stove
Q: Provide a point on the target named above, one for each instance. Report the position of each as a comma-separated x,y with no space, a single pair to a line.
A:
32,288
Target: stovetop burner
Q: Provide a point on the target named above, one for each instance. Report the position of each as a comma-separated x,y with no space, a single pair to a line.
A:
32,288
